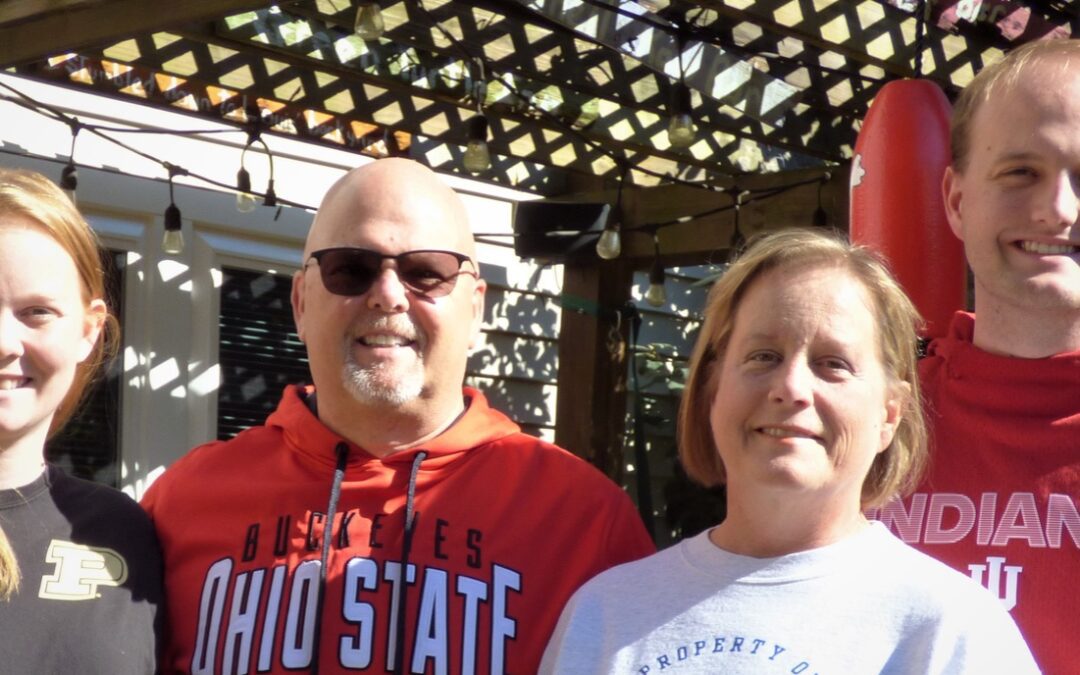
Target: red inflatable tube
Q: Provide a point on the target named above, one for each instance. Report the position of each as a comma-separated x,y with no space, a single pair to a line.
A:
896,203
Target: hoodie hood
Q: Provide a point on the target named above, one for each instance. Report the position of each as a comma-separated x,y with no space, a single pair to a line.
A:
978,380
478,425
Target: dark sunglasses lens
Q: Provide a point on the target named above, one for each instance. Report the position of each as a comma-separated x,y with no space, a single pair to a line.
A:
349,271
430,273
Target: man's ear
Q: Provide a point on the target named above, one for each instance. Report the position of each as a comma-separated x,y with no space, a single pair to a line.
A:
479,290
297,300
953,197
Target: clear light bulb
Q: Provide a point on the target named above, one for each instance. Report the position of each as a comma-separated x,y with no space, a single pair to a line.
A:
656,295
477,157
681,132
246,202
609,246
173,242
369,22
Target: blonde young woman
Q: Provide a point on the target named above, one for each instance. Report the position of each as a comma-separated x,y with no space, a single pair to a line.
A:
80,570
803,401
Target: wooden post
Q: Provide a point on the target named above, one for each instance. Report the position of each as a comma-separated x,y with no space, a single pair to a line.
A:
591,409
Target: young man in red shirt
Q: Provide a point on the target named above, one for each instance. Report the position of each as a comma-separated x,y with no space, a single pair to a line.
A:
1003,387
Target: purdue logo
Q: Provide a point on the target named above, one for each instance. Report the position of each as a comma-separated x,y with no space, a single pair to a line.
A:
80,570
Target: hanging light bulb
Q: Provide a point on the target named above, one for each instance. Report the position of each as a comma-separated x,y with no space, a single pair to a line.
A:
477,157
656,295
173,241
246,198
738,241
270,198
245,201
69,181
369,21
609,246
681,131
69,176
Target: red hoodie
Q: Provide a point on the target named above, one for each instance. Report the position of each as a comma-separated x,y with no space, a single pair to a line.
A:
505,528
1000,502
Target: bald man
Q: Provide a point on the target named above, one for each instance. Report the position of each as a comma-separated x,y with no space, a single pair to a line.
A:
285,546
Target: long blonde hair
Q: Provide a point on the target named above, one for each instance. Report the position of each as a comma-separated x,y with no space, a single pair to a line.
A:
30,195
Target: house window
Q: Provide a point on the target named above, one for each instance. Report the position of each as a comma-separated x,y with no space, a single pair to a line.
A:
260,352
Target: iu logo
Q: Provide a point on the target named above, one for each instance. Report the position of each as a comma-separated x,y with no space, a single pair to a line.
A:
80,570
989,575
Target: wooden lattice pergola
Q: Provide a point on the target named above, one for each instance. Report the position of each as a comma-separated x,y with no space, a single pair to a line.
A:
577,94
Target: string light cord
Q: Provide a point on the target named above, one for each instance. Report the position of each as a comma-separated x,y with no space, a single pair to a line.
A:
484,64
254,132
174,132
30,103
76,127
650,229
50,111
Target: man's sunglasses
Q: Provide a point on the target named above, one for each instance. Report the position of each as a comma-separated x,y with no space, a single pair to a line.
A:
351,271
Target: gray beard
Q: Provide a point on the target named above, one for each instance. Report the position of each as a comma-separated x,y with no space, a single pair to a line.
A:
374,385
379,384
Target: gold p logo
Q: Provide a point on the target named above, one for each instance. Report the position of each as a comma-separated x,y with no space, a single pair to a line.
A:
80,570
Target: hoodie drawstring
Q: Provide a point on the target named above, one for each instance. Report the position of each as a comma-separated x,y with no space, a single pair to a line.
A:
342,451
406,547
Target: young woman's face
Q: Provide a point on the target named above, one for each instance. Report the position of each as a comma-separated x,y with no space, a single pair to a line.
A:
46,329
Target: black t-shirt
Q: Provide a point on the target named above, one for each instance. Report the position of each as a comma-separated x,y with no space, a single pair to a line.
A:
91,591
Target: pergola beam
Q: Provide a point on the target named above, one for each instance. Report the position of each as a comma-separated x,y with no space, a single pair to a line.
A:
30,29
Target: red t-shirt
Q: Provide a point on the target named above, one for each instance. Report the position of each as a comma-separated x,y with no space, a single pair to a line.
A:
1000,499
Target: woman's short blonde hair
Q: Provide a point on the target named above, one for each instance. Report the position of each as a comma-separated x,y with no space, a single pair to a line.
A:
896,470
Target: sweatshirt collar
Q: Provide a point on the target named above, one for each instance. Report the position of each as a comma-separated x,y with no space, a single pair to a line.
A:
479,424
957,347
